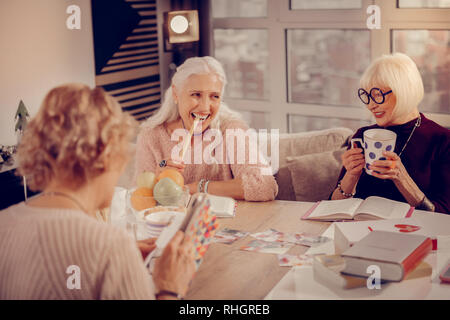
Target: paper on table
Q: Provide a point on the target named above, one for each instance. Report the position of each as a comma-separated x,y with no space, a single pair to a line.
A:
267,247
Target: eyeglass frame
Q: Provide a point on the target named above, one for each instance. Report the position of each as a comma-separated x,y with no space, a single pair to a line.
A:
369,94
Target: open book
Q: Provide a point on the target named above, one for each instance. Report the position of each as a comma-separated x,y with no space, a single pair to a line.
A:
222,207
372,208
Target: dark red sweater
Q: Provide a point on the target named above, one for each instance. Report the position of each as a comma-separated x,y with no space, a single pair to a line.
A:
426,158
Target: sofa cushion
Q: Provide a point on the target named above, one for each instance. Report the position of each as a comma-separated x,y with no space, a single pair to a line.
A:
285,187
314,176
293,145
302,143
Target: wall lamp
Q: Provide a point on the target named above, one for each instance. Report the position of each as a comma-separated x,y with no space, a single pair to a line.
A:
180,27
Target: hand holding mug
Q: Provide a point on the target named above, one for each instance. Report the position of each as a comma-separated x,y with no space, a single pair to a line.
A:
391,168
376,142
353,161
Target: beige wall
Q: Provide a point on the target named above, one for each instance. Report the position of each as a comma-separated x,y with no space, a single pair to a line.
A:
38,52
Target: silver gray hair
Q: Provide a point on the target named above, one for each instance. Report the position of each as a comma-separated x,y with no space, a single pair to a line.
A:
168,111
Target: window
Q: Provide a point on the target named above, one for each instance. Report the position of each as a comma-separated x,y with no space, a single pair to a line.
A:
239,8
424,3
324,66
326,4
430,50
295,65
243,53
299,123
256,120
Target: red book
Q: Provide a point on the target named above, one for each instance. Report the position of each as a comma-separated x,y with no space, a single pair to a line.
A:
395,254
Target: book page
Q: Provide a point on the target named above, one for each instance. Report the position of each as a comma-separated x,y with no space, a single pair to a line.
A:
222,206
344,208
383,208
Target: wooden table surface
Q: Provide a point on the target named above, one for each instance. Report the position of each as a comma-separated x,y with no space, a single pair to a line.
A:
229,273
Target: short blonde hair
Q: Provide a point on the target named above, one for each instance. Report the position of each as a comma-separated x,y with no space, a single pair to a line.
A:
398,72
75,133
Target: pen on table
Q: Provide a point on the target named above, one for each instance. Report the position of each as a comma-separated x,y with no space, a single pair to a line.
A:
370,229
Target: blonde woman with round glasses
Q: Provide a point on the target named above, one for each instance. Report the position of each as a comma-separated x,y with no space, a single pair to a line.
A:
418,170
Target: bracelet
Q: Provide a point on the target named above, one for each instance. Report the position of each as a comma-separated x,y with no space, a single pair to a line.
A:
206,187
347,195
168,293
200,185
426,204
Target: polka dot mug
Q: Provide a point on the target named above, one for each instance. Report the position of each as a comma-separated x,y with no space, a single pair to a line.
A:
375,142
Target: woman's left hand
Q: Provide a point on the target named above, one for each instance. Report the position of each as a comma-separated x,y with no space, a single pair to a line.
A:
392,168
146,246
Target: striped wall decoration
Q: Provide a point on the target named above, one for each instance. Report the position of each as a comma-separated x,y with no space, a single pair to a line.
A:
126,53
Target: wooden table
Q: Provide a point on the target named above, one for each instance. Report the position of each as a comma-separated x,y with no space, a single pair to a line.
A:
229,273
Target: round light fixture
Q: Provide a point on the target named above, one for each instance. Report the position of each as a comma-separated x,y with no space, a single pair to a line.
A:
179,24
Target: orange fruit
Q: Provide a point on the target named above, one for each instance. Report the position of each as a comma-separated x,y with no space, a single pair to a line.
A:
142,198
173,174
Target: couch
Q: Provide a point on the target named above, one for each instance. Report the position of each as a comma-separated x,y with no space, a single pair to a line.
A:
309,164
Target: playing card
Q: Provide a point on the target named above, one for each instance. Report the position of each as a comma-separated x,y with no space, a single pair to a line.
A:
267,247
296,238
287,260
270,235
228,236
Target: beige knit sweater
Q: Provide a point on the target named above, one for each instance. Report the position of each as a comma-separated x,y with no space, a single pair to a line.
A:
38,245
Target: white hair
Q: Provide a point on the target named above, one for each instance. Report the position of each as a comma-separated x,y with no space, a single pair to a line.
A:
168,111
398,72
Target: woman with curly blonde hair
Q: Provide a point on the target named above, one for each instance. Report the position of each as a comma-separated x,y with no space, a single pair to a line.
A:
74,151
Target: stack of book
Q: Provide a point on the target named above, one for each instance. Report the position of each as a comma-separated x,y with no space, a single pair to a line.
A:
398,257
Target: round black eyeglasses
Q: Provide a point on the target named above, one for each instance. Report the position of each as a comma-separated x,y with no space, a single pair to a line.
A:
376,94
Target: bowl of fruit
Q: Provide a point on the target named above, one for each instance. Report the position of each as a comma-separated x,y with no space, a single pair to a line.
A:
157,198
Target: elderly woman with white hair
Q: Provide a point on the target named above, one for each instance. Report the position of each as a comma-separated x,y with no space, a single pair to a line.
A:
417,171
213,166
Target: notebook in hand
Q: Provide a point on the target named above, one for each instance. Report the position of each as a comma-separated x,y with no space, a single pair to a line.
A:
395,254
199,225
372,208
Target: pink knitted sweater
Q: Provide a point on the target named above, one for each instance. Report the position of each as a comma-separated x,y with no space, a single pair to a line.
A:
155,144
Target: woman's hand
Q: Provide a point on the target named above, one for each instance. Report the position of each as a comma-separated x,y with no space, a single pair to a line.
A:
353,161
176,267
146,246
193,187
179,166
392,168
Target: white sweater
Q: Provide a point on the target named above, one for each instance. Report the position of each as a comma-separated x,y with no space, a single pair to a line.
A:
38,245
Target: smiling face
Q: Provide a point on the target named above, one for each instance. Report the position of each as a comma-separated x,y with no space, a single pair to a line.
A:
199,98
383,113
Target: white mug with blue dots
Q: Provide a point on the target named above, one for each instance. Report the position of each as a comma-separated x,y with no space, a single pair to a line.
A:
375,142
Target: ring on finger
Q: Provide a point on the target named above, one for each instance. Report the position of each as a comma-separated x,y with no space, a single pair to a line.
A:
163,163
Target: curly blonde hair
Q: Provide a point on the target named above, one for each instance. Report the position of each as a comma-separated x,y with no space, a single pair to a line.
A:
74,135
